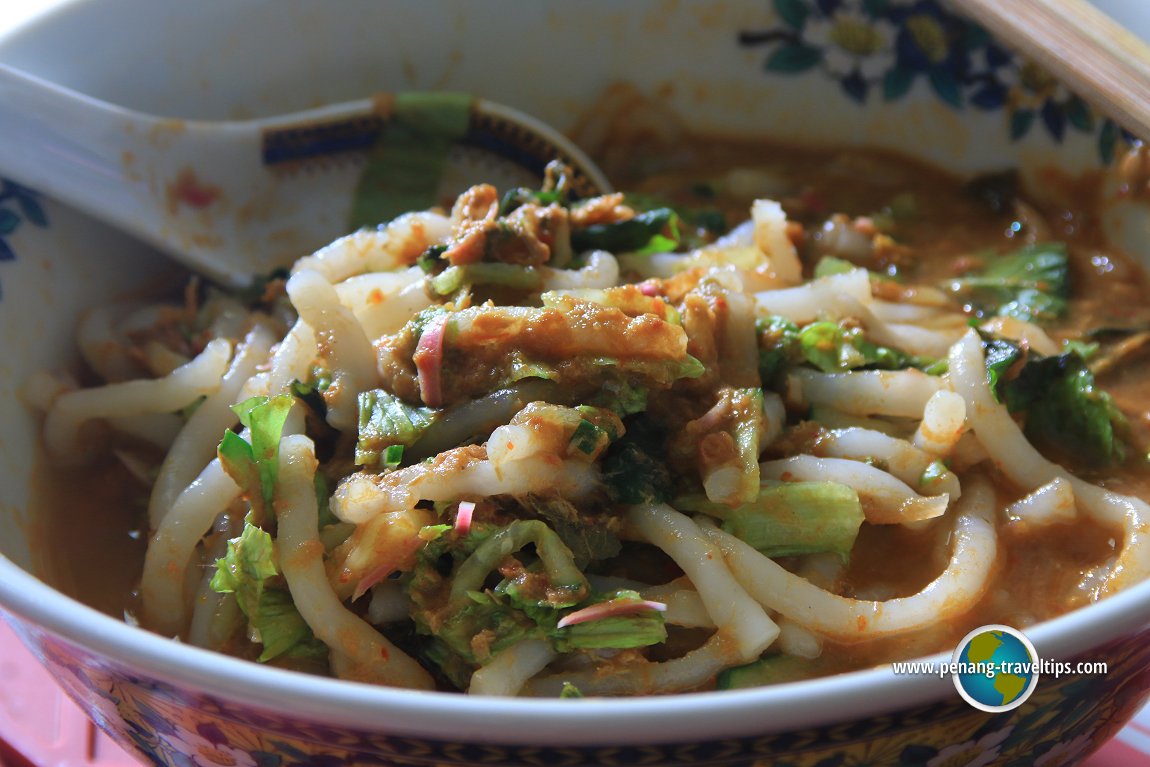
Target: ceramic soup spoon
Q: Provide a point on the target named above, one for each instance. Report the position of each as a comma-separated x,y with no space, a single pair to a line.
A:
234,200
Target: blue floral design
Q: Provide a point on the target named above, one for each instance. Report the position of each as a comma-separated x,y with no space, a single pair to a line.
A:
887,46
933,44
851,41
1109,137
17,205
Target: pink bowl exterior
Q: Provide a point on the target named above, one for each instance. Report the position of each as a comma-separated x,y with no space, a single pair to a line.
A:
168,724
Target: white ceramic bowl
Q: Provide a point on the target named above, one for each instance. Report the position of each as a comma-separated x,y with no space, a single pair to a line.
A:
174,704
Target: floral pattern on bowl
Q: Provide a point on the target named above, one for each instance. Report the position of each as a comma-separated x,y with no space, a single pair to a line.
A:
1063,721
882,48
17,206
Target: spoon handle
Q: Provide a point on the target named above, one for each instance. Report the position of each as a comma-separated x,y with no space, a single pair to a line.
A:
199,191
236,199
1088,51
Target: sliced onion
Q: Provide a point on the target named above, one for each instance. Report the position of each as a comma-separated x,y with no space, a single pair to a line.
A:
374,576
463,517
429,361
610,609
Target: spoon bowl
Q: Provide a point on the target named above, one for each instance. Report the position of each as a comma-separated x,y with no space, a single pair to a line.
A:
235,199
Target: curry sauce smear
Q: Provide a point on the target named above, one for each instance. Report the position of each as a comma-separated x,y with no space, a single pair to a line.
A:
943,226
939,227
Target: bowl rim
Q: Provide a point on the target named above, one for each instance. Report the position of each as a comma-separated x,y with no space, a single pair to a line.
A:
456,717
34,606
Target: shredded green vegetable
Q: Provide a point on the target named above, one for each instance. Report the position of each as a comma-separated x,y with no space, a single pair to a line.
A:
254,465
655,231
1064,412
387,424
790,518
1032,283
249,571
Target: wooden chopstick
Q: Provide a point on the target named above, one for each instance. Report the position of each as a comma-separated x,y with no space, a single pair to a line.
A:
1080,45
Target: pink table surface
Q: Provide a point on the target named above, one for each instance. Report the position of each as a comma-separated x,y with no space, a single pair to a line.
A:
40,727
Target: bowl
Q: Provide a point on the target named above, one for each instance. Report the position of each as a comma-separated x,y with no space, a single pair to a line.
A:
929,83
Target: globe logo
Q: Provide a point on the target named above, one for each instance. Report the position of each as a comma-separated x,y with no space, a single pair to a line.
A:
995,668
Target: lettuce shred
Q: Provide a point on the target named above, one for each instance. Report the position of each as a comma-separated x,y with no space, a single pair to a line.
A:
1031,284
1063,411
385,423
249,571
254,464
